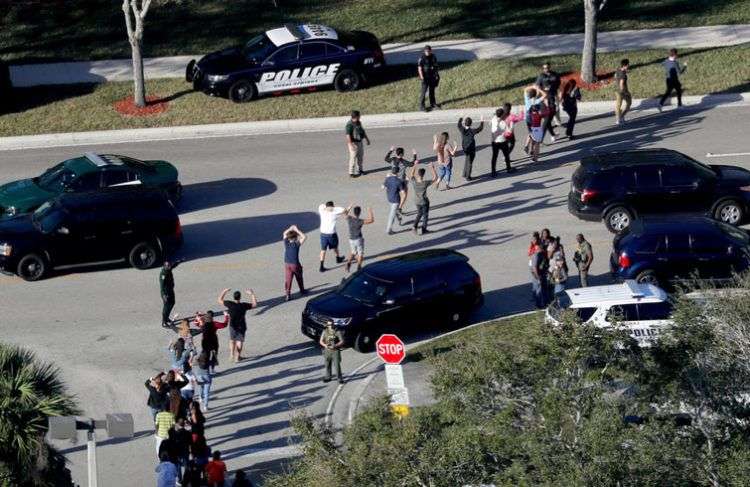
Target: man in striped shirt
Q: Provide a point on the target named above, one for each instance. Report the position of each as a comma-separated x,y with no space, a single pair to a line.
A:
163,423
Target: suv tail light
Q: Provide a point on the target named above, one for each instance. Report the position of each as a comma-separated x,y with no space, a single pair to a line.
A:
624,260
587,195
379,56
178,229
478,283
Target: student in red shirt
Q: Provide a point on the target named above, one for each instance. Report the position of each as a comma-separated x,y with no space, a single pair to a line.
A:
216,471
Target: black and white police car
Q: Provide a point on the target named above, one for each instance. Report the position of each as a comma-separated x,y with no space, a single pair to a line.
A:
295,57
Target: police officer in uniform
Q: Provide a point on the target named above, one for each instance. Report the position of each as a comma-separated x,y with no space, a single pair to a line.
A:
332,341
166,286
427,68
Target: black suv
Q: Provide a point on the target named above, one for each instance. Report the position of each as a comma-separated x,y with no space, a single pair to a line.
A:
658,250
403,294
139,225
621,186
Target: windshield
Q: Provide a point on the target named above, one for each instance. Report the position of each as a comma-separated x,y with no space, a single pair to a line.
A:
56,178
364,288
734,232
258,48
45,219
702,168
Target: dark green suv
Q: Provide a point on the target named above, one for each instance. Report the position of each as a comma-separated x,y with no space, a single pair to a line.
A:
87,173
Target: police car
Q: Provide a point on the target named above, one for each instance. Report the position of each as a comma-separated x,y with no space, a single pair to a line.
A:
643,309
295,57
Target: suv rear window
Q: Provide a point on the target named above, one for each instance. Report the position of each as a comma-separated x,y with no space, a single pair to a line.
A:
580,177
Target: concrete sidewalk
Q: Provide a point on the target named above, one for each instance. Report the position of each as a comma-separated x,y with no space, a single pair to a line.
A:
328,124
407,53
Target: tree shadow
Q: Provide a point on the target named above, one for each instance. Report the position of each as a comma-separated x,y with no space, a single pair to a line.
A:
220,237
212,194
22,99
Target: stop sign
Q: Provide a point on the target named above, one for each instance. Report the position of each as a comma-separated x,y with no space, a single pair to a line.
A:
390,348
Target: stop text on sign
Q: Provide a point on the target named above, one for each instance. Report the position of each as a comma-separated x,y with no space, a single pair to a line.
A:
390,349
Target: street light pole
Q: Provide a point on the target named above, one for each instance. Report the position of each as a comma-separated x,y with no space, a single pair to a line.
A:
91,449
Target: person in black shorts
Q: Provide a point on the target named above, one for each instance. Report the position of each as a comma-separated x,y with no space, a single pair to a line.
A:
237,324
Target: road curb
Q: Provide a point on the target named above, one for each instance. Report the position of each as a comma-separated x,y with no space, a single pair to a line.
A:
324,124
355,401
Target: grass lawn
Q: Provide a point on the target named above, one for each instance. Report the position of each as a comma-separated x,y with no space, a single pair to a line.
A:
511,331
94,29
472,84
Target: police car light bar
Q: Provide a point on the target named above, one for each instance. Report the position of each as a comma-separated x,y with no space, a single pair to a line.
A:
294,31
634,289
96,159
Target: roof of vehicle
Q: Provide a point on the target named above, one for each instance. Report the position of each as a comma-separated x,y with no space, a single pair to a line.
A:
405,265
299,32
131,194
634,157
671,224
624,293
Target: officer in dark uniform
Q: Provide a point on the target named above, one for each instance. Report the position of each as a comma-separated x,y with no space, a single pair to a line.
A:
166,286
331,340
427,68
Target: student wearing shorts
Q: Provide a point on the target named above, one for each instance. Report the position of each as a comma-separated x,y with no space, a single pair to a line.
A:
329,240
356,240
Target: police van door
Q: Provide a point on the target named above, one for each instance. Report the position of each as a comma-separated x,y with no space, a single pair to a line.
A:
278,69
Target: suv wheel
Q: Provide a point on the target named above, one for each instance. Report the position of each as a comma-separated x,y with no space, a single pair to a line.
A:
618,219
242,91
364,343
647,277
143,256
31,267
346,80
729,212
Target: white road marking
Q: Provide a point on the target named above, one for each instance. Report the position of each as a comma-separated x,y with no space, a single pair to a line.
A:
731,154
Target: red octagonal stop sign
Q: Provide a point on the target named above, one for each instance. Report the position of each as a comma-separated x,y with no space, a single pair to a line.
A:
390,348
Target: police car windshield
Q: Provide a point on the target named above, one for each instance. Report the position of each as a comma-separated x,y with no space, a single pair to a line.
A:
258,48
55,179
364,288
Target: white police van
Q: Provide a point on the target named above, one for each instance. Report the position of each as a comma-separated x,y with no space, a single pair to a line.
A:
643,309
296,57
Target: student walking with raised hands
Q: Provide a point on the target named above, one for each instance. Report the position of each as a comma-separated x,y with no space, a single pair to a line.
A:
444,152
468,142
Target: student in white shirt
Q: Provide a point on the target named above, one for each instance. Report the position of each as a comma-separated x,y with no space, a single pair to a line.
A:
502,133
328,237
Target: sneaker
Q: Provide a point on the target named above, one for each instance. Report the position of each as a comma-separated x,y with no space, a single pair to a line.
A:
303,292
659,107
526,149
322,267
326,379
341,381
618,121
414,229
340,259
512,169
425,231
552,138
354,176
348,267
288,297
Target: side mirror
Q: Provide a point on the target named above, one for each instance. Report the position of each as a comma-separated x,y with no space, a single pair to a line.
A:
730,250
63,231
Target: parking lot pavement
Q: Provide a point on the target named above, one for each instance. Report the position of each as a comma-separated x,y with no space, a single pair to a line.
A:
101,327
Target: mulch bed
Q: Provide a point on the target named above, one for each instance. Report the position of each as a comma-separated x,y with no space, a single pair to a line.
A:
154,106
604,78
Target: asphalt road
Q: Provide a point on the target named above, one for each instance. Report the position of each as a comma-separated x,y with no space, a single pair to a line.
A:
101,327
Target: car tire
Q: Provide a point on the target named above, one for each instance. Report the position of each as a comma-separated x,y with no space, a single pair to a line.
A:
31,267
346,80
618,219
730,211
243,91
144,255
364,342
647,277
189,69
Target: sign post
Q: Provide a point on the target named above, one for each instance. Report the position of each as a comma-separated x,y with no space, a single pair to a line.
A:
391,350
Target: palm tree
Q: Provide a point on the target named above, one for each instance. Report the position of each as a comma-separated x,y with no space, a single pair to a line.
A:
30,392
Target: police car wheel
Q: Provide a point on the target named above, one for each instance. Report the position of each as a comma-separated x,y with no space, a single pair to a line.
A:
346,80
647,277
364,342
31,267
143,255
242,91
